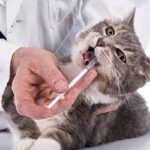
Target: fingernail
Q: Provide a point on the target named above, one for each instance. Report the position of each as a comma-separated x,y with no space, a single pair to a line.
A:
61,85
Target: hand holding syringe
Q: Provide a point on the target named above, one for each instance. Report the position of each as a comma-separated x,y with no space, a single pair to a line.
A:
91,64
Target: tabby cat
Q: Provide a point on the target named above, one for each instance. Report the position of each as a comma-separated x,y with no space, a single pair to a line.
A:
122,68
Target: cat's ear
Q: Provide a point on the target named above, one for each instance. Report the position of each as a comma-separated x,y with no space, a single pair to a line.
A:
146,69
129,20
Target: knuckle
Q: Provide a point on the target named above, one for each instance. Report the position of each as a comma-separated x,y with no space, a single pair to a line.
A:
54,75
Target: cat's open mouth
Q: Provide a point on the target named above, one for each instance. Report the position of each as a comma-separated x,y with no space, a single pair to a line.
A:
88,55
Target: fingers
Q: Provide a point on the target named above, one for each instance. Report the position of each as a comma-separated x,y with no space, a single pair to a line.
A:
30,72
71,96
73,93
42,63
26,106
24,94
65,103
86,80
54,78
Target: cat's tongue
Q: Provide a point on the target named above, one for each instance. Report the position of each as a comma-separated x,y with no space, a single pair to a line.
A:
87,57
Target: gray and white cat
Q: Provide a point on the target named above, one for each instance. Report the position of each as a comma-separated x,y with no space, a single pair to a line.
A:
122,68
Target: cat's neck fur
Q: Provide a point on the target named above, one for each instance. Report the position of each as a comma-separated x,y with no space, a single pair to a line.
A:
92,93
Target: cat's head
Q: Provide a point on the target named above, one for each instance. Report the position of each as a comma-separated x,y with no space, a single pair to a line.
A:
123,67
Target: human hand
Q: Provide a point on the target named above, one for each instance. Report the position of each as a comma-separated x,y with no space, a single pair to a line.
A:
33,68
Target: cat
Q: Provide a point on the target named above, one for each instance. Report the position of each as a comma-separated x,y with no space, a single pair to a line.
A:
122,68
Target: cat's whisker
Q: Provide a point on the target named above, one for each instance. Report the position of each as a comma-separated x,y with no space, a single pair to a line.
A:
107,60
120,88
117,80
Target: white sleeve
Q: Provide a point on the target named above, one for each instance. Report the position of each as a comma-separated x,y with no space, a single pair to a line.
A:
6,51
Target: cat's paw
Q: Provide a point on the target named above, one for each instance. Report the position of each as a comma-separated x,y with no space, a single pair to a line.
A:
24,144
46,144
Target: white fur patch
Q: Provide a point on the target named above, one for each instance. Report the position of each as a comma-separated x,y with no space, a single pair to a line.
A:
46,124
95,96
46,144
24,144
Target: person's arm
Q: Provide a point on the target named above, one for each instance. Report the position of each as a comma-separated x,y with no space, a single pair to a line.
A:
6,51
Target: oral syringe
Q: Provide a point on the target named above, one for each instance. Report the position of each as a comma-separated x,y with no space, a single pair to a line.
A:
91,64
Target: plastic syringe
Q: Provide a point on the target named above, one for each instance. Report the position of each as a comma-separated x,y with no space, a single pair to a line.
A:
91,64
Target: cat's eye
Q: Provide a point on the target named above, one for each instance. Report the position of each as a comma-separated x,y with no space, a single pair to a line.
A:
120,55
110,31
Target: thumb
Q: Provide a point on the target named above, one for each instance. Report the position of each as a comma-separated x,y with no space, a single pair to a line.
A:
54,78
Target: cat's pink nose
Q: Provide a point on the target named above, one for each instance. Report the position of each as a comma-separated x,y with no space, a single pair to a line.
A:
100,42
